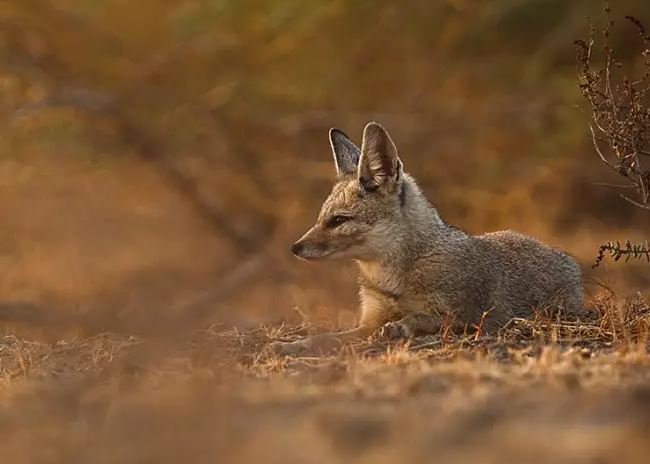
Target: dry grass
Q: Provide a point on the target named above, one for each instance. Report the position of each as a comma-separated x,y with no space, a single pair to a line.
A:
541,390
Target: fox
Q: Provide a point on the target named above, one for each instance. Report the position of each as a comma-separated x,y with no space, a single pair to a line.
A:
417,273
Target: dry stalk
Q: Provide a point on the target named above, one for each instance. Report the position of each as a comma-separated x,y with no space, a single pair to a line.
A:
629,251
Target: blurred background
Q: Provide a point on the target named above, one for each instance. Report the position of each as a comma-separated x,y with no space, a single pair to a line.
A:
157,158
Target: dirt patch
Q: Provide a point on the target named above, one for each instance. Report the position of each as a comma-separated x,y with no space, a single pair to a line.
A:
539,391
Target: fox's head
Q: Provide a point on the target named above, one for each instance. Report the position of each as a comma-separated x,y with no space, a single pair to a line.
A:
360,216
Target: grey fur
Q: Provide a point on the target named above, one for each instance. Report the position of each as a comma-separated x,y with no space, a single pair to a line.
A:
412,262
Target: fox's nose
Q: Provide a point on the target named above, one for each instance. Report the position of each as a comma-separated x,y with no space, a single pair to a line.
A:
297,248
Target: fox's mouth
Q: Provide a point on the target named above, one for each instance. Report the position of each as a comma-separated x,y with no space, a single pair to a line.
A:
313,257
315,253
307,258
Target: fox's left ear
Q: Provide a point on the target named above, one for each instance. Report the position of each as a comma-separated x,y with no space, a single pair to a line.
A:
346,153
379,165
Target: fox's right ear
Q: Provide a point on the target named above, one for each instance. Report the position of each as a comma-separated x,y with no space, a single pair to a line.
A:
346,153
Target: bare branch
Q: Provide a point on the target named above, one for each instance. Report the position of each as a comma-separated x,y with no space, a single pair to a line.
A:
607,184
597,148
635,203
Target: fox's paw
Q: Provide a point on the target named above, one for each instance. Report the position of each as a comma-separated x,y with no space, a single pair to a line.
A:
396,330
290,348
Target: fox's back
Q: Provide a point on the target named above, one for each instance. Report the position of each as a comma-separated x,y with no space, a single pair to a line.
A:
505,274
530,274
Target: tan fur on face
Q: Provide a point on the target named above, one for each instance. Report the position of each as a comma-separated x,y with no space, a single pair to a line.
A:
348,240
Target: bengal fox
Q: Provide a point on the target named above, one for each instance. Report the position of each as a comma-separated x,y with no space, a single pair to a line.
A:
416,271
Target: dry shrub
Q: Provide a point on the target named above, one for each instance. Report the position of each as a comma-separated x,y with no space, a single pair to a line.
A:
620,112
620,121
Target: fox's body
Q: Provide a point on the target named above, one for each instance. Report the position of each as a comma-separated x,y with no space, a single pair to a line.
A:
413,265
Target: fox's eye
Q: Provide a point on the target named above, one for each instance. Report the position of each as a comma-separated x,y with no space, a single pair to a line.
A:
337,220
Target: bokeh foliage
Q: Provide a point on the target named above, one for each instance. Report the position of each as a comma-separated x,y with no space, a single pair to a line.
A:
216,111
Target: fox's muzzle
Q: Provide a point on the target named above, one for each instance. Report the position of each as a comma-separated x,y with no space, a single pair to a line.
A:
305,250
297,248
309,249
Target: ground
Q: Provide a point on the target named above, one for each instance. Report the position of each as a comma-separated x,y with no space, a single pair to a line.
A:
539,391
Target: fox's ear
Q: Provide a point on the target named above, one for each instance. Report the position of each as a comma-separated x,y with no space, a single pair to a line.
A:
346,153
379,164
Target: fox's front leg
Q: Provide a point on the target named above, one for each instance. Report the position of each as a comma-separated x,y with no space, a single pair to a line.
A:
323,342
412,325
374,313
